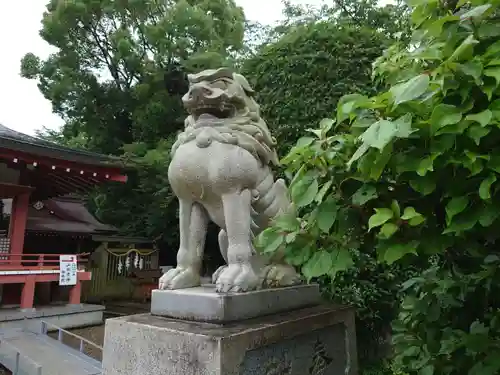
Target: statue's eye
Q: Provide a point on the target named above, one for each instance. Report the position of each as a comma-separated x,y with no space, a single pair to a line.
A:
219,84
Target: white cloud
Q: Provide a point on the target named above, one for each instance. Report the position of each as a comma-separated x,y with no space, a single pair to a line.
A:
22,106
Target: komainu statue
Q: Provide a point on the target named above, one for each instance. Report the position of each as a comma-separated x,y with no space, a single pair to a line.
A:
220,171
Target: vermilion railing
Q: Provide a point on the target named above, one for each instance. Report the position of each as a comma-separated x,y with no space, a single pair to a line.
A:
36,261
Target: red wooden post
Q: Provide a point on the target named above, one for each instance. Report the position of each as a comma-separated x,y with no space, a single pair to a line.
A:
18,218
28,293
75,293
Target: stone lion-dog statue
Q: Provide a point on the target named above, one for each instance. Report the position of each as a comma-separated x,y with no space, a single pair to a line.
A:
221,171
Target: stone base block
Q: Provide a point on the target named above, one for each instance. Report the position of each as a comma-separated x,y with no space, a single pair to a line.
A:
204,304
318,340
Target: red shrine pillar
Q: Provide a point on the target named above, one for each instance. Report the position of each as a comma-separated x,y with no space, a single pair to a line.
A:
28,293
17,227
75,293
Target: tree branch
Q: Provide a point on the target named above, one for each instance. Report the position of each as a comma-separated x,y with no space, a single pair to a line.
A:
343,7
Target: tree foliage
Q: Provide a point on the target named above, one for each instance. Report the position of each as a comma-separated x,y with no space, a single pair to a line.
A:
115,59
301,76
116,78
412,174
314,58
307,63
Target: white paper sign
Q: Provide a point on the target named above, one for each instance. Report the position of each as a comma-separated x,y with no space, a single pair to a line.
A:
67,270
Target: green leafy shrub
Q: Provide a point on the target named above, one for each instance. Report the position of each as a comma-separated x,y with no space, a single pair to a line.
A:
328,241
300,77
385,368
413,174
373,289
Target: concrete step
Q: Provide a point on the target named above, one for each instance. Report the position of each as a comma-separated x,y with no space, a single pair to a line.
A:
54,357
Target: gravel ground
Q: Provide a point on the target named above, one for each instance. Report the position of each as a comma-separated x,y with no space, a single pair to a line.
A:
93,334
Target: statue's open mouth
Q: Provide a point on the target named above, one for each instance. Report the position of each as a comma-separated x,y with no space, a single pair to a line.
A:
222,110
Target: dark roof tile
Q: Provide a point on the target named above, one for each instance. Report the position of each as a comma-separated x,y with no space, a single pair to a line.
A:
14,140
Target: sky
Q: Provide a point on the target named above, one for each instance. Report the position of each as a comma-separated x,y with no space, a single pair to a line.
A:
22,106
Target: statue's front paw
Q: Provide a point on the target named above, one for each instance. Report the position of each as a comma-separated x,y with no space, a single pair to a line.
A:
238,277
179,278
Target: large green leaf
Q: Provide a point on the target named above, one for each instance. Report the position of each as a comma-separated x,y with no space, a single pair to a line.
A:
472,68
483,118
287,222
381,133
381,216
488,215
304,191
318,265
484,188
387,230
462,222
410,90
413,217
477,132
455,206
427,370
464,50
364,194
476,12
361,150
444,115
494,163
347,104
396,208
436,28
322,192
342,260
304,142
327,214
424,185
426,165
393,252
494,73
269,240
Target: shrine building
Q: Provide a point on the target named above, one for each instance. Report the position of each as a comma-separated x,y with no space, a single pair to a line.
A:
38,179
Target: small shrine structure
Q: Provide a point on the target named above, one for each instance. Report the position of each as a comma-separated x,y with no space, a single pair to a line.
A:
33,174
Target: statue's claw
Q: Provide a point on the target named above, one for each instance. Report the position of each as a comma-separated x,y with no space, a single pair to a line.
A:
236,278
179,278
217,273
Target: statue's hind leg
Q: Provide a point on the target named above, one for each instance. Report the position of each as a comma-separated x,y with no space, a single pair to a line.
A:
239,275
193,221
223,245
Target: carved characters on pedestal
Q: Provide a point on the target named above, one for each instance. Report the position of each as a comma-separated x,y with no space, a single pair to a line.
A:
275,366
320,359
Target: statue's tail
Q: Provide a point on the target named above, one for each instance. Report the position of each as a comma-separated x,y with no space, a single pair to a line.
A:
269,199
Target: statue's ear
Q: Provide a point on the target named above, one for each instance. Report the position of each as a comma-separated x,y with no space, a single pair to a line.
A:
244,83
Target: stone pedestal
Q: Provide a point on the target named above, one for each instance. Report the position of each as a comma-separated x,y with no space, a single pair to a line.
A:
203,304
316,340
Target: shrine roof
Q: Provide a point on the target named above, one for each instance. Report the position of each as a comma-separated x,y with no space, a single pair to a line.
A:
54,170
16,141
63,215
